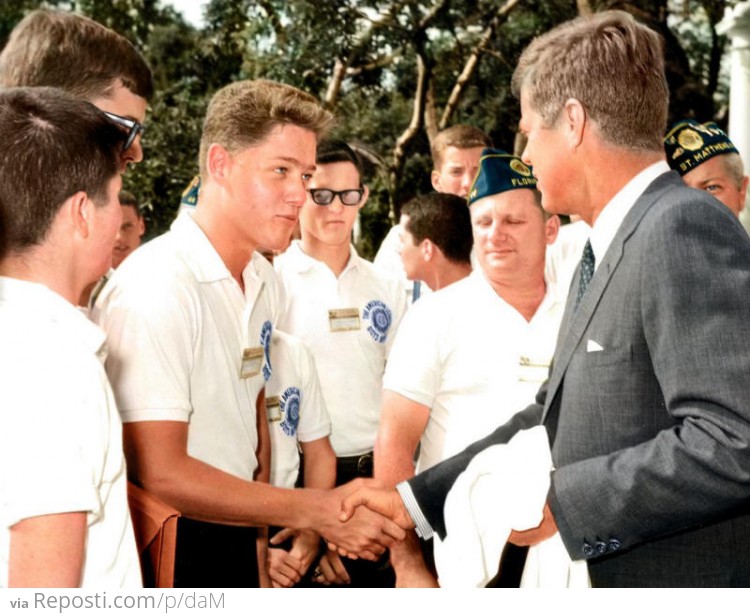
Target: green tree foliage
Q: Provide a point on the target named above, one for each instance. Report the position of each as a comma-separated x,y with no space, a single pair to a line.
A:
393,71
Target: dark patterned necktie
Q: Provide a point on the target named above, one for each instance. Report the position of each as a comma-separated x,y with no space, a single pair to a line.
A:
587,271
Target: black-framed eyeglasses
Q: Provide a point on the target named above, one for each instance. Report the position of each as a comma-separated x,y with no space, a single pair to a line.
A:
133,127
324,196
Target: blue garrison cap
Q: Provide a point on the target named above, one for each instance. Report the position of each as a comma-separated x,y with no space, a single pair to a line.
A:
689,144
499,172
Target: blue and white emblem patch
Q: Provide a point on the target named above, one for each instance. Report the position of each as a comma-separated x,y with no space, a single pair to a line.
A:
379,317
265,341
290,402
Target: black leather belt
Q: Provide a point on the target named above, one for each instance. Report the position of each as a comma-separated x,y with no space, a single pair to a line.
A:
350,467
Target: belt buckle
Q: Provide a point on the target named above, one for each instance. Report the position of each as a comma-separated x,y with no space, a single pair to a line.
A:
364,464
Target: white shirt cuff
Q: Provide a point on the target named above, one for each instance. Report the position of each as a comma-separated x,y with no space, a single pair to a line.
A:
422,527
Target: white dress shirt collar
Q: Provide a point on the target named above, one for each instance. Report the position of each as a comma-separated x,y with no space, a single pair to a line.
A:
614,212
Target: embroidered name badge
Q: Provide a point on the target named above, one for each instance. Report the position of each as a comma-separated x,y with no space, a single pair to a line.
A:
379,317
290,403
341,320
533,370
273,409
252,362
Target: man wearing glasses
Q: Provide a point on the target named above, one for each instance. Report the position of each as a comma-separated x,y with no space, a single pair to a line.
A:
108,71
347,312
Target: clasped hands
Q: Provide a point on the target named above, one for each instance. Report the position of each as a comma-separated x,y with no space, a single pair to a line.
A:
372,518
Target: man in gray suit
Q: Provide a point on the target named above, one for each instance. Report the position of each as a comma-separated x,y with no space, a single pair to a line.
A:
648,401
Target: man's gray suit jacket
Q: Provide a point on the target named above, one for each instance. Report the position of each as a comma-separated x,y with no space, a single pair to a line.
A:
651,434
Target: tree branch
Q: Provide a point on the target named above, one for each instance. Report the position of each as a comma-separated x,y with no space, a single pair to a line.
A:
342,64
399,150
473,61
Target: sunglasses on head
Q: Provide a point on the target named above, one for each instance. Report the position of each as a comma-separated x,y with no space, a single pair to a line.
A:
324,196
133,127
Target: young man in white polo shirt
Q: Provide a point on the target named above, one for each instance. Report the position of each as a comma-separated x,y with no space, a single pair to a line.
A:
470,356
189,318
347,312
436,240
63,497
455,158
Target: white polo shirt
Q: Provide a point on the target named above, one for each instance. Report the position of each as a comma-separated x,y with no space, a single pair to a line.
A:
295,407
186,344
472,359
348,323
60,435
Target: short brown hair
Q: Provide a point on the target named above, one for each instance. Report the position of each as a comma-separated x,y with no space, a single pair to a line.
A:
611,64
74,53
242,114
128,199
52,146
445,220
460,136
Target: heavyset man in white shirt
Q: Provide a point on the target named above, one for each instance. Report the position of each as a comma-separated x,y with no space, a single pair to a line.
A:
63,497
470,356
347,312
190,318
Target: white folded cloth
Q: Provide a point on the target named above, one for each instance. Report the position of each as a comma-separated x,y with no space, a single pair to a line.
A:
504,488
548,565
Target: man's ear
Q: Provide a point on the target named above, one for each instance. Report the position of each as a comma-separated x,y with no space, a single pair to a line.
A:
435,179
365,196
551,228
428,250
79,210
218,162
575,118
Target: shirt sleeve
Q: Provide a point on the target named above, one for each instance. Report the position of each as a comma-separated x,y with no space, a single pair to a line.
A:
413,367
314,422
53,434
149,330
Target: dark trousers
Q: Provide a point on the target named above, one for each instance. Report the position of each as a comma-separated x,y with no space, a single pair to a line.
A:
210,555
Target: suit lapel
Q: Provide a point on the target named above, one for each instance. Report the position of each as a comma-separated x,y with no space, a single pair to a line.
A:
574,323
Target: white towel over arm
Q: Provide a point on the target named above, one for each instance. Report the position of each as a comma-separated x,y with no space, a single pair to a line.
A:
504,488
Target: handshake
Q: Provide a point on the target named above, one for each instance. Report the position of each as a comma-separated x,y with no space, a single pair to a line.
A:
360,519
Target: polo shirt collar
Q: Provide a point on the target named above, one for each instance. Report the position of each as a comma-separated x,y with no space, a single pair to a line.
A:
300,262
197,251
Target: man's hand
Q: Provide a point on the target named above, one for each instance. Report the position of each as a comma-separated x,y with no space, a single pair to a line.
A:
283,568
287,568
546,529
331,570
357,531
385,501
